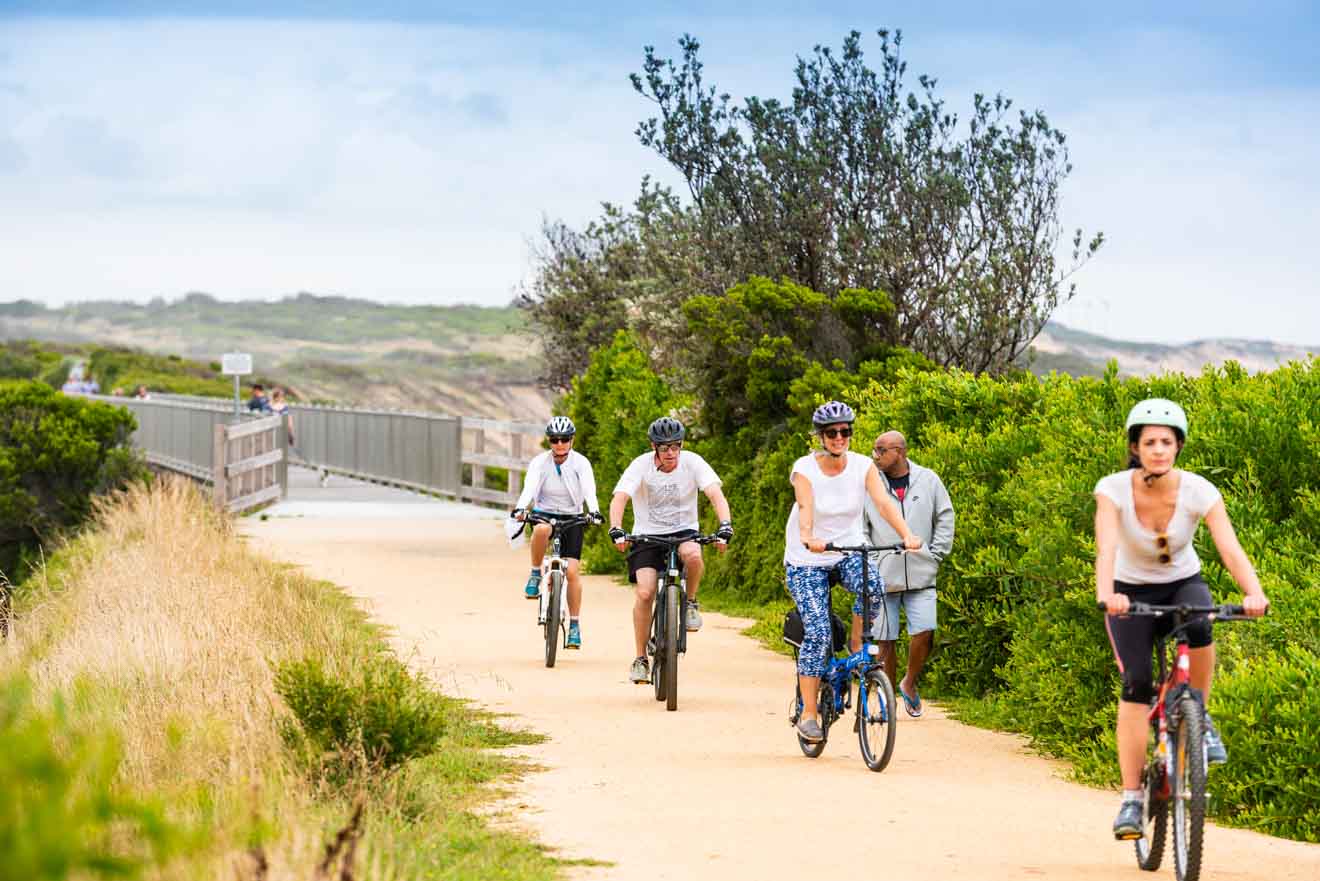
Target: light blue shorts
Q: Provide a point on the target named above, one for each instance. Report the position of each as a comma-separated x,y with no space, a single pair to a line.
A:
918,607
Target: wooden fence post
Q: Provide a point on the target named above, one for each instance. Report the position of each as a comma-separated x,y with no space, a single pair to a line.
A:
220,480
515,481
479,446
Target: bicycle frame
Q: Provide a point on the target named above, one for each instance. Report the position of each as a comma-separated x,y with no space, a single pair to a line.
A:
553,606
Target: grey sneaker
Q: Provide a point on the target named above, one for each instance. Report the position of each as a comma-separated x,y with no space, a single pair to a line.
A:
693,616
810,731
640,673
1215,752
1127,825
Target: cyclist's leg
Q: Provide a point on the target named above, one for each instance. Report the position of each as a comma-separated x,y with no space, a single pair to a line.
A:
570,548
1132,640
540,540
1200,633
693,566
647,580
809,587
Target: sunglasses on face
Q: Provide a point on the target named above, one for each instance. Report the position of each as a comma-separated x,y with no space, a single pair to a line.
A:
669,448
1162,542
832,433
560,438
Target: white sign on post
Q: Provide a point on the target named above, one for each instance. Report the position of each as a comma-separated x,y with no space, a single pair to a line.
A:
235,364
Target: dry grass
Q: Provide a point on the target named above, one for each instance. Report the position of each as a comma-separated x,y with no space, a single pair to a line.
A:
164,627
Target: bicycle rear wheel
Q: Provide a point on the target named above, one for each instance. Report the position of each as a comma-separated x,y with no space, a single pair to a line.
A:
553,613
875,717
1188,789
673,623
1154,814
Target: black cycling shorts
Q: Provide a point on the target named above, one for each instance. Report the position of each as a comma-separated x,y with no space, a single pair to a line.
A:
650,556
570,538
1133,639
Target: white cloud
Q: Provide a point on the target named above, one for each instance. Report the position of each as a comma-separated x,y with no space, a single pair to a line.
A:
412,162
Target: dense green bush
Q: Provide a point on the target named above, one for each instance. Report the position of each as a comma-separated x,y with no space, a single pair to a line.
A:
56,453
378,718
1020,456
62,813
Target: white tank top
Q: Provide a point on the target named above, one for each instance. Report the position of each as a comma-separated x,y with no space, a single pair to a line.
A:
1138,548
838,503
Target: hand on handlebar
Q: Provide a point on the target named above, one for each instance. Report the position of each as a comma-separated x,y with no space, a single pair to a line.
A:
1255,605
518,514
618,536
912,543
596,518
815,545
1115,604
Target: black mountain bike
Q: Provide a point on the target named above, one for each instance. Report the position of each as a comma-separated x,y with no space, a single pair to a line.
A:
554,597
668,635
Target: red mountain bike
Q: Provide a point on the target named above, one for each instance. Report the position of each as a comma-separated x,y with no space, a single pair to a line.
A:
1175,771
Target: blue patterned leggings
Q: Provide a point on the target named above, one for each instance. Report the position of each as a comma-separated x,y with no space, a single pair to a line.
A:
810,587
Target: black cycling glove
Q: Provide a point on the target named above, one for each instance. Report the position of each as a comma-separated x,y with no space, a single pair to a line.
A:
595,518
725,532
617,535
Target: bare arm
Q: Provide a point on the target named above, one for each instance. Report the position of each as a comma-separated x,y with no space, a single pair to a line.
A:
806,501
716,496
888,510
1235,559
617,504
1106,551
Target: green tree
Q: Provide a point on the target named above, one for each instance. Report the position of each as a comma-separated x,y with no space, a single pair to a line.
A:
56,452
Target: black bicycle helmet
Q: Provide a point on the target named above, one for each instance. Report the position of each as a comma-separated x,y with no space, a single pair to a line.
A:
666,430
832,413
560,426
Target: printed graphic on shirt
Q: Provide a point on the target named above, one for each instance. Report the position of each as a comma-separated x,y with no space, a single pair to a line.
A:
666,503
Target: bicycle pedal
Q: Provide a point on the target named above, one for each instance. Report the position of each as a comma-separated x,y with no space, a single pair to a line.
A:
1128,836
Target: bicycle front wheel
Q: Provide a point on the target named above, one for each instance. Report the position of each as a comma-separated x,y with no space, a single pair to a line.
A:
1188,789
875,717
1154,814
673,621
553,615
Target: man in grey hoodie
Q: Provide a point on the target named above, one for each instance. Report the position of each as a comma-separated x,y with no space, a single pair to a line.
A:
910,577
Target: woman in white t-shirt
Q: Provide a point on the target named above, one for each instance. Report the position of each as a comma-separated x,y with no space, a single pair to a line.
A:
1145,520
663,485
830,486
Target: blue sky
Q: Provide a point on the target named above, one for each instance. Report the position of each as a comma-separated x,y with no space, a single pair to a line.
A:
254,150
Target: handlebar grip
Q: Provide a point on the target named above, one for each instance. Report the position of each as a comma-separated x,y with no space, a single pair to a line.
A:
1235,611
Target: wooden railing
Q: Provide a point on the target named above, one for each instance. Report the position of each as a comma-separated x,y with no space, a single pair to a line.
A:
476,455
250,464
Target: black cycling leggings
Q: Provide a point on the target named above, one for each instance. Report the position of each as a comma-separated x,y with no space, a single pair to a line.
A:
1133,639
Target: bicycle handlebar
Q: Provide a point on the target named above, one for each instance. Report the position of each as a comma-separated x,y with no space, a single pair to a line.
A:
1226,612
671,542
866,549
562,520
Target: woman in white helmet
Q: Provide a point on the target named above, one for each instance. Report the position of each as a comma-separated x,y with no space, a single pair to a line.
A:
1145,519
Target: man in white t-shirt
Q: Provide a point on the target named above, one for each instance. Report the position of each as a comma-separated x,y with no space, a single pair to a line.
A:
663,485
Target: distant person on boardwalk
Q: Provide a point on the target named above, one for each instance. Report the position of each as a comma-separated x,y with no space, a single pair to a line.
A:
142,394
258,403
559,482
924,505
280,407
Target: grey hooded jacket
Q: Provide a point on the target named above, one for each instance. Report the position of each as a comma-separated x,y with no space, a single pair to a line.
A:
928,512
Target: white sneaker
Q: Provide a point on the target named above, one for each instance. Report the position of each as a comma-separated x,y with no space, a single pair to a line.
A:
693,616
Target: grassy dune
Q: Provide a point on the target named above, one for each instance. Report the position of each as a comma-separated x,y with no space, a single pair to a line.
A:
146,656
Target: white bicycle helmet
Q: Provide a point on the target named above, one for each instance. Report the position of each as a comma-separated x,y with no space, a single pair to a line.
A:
560,426
1157,411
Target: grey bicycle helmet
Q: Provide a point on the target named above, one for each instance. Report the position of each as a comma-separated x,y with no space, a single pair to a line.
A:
832,413
560,426
666,430
1156,411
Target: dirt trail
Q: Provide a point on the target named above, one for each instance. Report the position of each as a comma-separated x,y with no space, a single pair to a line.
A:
719,789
